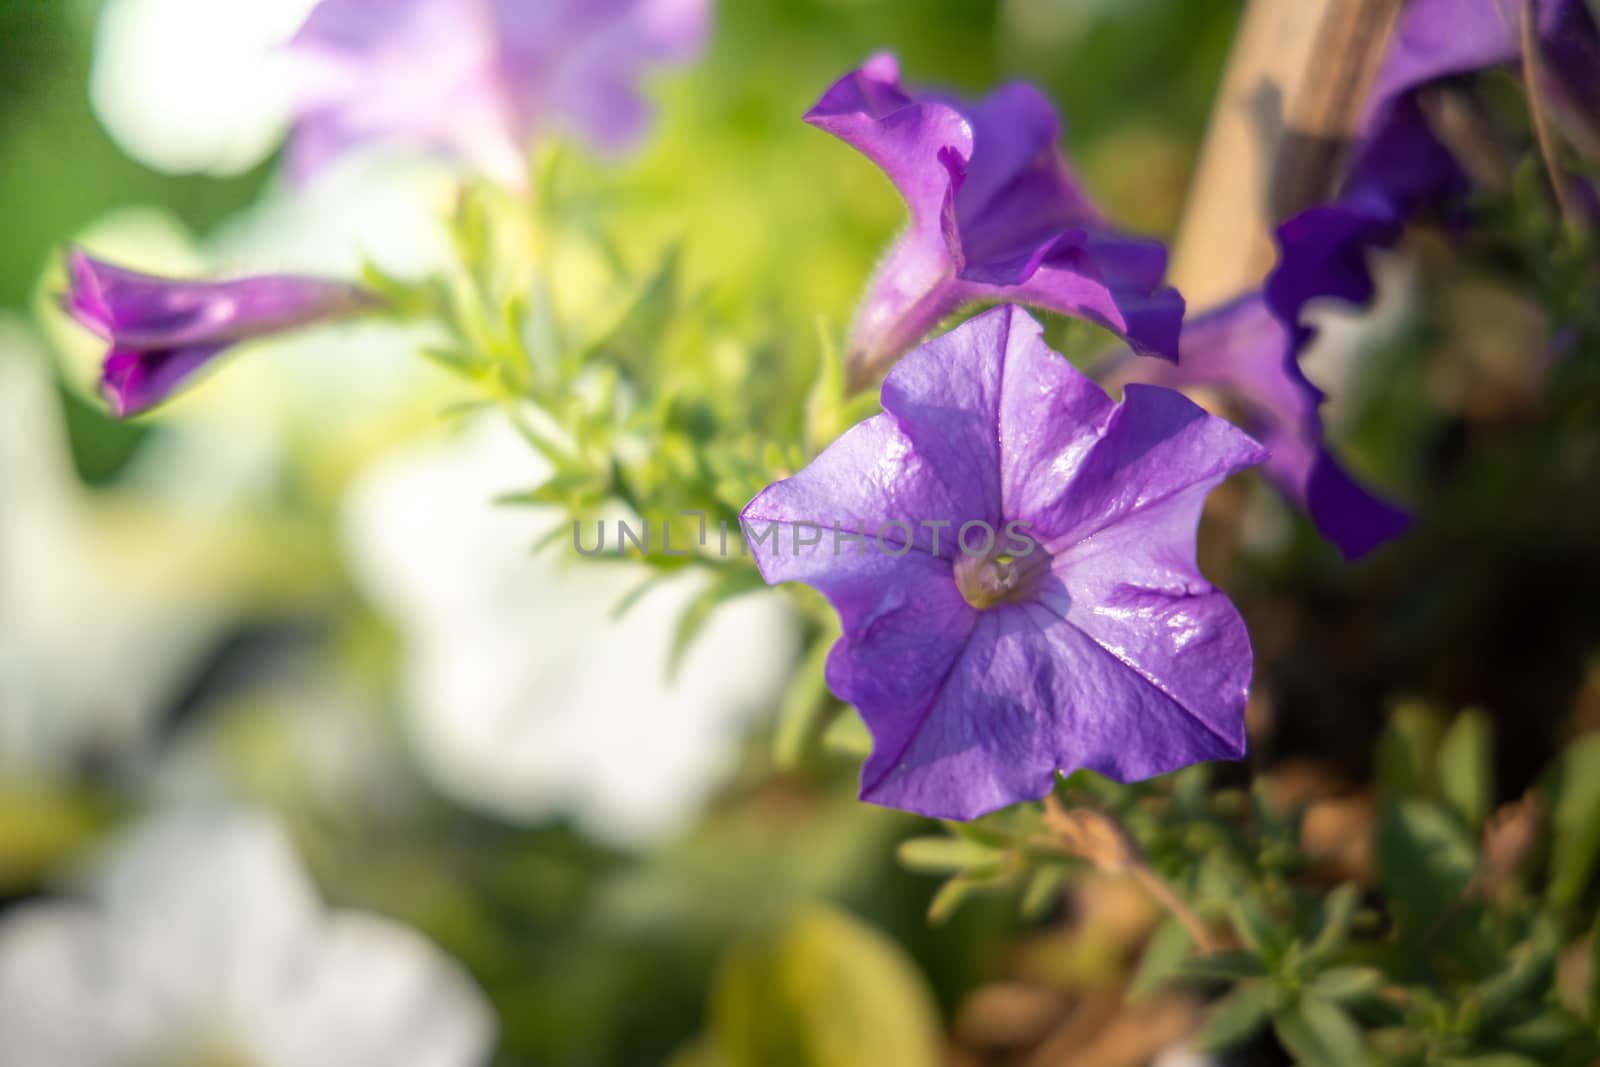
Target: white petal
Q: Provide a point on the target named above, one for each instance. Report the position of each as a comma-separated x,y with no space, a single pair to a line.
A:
195,85
53,989
526,696
378,995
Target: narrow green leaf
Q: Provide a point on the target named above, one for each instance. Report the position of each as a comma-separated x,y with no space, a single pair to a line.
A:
807,711
727,585
847,736
1163,953
1226,965
1346,983
1576,822
1236,1017
1318,1033
1546,1033
1255,927
1043,891
1466,767
1337,910
948,900
1425,862
1525,979
1594,975
943,855
1406,752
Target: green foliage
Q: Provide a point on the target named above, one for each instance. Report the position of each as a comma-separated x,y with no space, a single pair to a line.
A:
1445,958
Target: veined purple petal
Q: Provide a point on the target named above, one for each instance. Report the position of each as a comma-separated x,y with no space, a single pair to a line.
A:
162,330
996,213
1107,649
478,79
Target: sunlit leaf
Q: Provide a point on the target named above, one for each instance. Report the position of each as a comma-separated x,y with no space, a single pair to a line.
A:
1577,822
1466,767
823,990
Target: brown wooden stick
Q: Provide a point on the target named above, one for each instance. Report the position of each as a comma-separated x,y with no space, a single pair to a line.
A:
1291,97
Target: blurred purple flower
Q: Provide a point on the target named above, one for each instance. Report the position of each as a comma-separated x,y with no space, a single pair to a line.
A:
1399,166
477,79
1244,353
996,214
163,330
1082,636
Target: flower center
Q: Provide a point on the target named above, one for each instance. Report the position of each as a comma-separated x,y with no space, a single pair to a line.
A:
1000,578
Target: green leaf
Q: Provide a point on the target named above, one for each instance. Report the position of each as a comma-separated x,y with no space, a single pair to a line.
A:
847,736
807,710
1226,965
1425,862
1524,980
1318,1033
1236,1017
1594,975
823,990
1256,927
944,855
1406,752
1546,1033
727,585
1576,850
825,404
631,344
1466,767
1043,891
948,900
1163,953
1337,911
1491,1059
1346,983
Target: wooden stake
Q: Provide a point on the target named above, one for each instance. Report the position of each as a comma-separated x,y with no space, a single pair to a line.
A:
1291,98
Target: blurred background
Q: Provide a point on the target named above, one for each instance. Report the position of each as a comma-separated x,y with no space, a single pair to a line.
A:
290,590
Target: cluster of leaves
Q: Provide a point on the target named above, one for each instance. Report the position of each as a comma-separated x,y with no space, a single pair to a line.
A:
646,404
1470,940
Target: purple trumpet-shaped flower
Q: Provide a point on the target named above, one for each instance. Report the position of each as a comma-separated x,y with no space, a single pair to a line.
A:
1399,167
163,330
1244,353
477,79
996,214
1012,557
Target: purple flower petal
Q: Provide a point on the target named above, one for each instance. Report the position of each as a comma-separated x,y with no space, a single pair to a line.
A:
1243,351
1399,167
478,79
162,330
996,214
984,669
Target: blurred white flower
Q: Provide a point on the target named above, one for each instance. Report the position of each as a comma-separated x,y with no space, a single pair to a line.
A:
202,942
196,85
525,696
104,606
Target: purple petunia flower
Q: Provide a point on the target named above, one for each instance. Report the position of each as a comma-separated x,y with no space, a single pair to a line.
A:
1025,598
163,330
476,79
1243,352
1399,167
996,214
